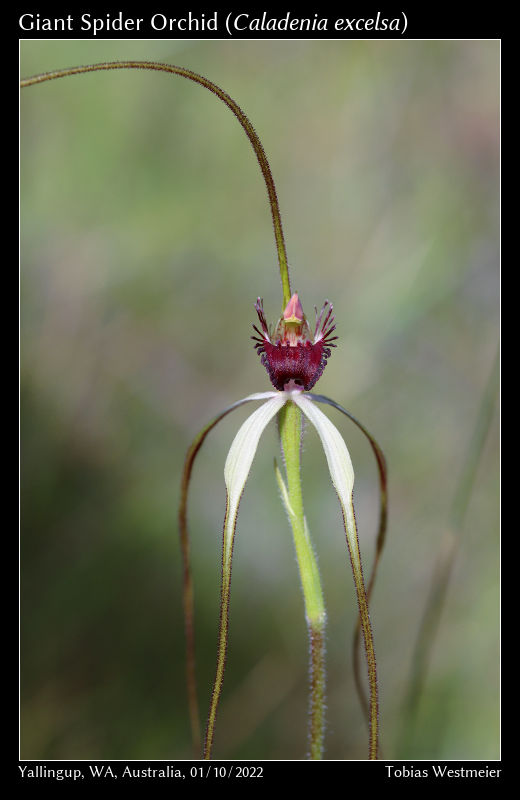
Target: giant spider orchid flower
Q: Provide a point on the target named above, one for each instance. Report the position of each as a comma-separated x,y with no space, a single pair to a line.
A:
295,359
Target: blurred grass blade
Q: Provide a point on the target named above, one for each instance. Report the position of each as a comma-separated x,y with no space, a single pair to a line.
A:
236,471
187,581
380,540
342,475
449,546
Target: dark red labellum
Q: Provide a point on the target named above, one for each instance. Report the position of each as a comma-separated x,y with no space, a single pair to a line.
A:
302,363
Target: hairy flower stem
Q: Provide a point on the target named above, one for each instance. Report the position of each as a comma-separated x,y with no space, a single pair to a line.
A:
290,422
230,103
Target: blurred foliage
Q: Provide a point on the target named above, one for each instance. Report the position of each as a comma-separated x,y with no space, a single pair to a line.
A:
144,224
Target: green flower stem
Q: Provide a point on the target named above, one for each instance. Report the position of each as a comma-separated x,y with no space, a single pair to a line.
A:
290,421
230,103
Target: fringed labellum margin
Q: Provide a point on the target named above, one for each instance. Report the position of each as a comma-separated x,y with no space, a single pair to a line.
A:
292,355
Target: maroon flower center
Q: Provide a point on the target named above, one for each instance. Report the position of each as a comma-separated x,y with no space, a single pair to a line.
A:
294,355
302,363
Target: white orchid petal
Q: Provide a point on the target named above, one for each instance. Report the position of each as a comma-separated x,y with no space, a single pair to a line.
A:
260,396
342,474
240,458
338,457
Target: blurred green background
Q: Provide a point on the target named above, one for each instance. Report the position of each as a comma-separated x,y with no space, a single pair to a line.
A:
146,239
